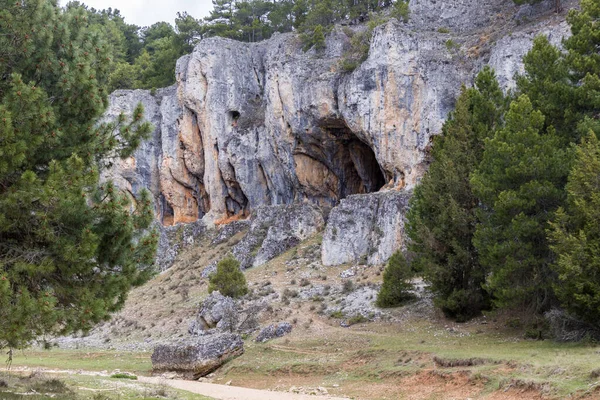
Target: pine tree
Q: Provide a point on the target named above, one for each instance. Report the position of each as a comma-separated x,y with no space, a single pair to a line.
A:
70,249
575,236
443,211
229,280
520,183
565,86
396,287
220,21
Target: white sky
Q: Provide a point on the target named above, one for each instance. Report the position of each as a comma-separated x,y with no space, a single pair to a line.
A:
147,12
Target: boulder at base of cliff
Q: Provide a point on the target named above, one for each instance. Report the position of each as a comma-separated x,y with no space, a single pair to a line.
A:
197,358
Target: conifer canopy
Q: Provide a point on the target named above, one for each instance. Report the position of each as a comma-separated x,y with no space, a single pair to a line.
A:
70,248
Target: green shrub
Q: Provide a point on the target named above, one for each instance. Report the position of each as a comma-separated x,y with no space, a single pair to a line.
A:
360,43
451,45
396,287
228,279
314,38
357,319
348,287
401,10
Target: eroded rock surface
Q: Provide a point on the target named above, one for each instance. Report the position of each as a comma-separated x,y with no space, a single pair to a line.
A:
367,228
252,126
220,313
199,357
274,331
276,229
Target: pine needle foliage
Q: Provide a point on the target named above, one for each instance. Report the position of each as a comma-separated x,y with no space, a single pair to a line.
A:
575,236
70,248
444,210
520,183
229,280
396,288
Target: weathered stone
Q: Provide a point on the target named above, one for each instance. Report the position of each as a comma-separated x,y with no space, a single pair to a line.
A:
506,56
367,228
174,238
209,270
274,331
199,357
220,313
213,310
276,229
227,231
252,125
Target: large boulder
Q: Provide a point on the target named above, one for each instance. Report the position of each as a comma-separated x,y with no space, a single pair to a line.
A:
216,311
197,358
365,228
220,313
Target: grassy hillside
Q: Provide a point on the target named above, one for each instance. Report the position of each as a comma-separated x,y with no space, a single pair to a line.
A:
410,352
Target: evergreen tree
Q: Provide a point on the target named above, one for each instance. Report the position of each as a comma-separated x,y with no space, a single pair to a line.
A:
70,249
220,21
163,60
520,183
443,212
281,18
396,286
565,86
401,10
229,280
575,236
189,32
125,76
546,83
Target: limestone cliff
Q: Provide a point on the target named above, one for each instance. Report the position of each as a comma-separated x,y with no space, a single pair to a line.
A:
265,124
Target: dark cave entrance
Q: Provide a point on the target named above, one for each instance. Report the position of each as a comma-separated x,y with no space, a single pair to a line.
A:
167,212
361,173
345,164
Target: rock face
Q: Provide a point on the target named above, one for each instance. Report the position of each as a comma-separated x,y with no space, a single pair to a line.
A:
249,126
275,230
198,358
367,228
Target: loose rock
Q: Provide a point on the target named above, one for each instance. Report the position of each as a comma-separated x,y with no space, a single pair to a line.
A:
198,358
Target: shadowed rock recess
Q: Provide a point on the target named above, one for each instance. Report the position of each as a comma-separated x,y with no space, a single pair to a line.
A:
249,126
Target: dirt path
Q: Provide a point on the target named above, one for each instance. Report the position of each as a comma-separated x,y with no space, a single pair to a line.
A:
224,392
216,391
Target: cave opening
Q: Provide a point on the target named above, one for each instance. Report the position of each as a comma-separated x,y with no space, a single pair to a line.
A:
167,212
333,163
234,116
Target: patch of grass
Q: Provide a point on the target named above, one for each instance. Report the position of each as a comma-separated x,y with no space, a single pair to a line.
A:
85,387
451,45
458,362
357,319
124,375
138,362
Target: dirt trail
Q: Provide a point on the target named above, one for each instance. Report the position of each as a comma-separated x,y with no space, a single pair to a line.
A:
216,391
224,392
